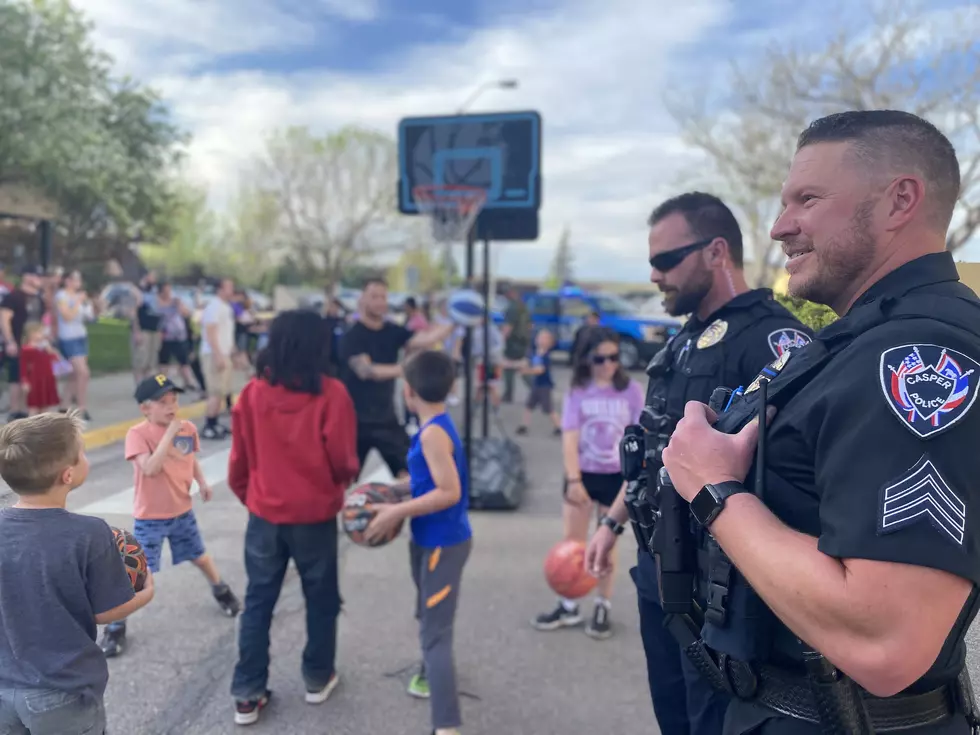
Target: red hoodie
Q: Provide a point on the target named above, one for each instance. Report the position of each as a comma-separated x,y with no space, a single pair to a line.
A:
293,454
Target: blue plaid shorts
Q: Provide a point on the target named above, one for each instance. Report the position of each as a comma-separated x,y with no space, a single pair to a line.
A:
185,539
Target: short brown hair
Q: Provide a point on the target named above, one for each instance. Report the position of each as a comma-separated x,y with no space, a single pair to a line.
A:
36,450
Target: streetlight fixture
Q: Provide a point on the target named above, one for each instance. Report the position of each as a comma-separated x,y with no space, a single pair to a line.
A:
498,84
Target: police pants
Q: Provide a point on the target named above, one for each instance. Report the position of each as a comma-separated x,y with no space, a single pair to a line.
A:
683,701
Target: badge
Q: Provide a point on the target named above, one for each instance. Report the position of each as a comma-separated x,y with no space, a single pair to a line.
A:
783,340
713,334
184,444
922,495
928,387
770,371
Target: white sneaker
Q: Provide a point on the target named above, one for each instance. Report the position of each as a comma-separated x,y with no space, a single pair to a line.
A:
322,695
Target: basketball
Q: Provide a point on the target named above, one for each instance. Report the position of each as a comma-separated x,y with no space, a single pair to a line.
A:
466,307
564,569
133,557
359,511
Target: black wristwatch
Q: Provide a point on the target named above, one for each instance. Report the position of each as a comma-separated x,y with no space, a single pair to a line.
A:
610,523
710,500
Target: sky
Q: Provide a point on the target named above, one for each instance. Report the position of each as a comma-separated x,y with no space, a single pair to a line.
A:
232,71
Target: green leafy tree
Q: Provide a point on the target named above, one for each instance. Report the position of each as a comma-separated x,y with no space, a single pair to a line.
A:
815,316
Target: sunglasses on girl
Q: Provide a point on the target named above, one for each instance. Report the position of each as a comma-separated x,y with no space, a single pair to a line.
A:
602,359
670,259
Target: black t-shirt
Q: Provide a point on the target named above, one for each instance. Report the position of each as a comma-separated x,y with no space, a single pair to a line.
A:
25,307
374,400
876,454
147,315
58,570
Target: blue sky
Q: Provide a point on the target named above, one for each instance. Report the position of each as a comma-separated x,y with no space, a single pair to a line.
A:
234,70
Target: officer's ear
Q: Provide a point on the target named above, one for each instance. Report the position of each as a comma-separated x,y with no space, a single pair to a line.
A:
716,253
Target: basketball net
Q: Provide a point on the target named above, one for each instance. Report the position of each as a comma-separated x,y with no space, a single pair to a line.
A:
452,209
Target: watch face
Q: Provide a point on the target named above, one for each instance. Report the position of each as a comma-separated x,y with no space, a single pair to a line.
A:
703,505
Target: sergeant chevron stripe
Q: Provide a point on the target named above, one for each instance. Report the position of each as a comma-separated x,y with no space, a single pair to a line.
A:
922,495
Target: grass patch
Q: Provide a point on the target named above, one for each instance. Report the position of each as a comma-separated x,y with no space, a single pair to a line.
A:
108,347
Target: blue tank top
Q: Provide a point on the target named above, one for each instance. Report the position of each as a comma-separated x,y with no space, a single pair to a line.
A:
450,526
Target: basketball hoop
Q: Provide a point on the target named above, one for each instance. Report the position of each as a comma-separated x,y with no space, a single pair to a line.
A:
452,208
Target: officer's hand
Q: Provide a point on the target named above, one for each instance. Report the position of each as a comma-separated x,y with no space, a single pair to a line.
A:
598,552
698,455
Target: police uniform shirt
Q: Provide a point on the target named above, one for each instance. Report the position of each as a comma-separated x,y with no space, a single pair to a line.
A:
876,454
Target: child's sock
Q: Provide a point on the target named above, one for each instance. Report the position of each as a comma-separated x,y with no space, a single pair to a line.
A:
600,600
219,587
569,605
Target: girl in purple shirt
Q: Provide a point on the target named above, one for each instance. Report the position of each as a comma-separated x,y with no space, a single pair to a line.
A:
602,402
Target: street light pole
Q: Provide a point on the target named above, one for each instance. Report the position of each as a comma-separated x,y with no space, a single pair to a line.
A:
498,84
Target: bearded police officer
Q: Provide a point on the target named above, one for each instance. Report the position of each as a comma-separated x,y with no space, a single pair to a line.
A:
696,260
857,553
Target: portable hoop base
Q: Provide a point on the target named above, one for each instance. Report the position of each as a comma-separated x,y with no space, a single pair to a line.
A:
452,209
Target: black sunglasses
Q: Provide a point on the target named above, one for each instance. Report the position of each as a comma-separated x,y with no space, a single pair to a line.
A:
602,359
670,259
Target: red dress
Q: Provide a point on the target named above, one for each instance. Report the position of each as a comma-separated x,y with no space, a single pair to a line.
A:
37,371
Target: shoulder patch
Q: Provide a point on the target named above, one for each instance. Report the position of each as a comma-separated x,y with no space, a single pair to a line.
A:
712,334
929,387
922,495
786,339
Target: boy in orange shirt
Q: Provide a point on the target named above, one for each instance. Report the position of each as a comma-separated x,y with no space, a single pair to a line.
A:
162,449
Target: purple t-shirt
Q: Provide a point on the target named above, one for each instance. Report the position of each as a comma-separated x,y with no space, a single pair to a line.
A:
601,415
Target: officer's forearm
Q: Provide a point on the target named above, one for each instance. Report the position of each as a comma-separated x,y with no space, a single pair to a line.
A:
817,597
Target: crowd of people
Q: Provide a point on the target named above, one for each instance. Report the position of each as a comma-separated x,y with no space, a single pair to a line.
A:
821,598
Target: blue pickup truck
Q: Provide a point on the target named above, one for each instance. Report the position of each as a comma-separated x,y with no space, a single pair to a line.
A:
565,310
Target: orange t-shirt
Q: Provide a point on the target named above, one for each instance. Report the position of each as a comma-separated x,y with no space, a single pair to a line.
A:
167,494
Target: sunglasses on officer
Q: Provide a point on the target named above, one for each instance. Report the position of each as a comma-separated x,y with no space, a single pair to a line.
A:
603,359
670,259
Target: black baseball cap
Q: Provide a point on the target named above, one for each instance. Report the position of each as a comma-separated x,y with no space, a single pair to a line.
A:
156,387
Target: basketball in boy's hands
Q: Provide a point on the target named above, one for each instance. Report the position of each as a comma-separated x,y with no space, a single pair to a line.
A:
133,557
359,511
564,569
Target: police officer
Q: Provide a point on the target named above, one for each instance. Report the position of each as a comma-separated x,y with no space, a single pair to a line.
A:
696,260
858,557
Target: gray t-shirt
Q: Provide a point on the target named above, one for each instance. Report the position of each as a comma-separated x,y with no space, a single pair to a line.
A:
58,570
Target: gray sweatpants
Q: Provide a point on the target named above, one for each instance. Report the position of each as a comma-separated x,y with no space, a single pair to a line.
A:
437,574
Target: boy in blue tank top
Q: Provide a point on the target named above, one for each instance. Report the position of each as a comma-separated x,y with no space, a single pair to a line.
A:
441,533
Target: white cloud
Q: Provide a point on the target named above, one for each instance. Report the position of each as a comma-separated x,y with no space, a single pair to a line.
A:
595,69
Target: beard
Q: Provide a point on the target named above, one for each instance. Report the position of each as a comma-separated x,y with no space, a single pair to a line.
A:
838,263
687,298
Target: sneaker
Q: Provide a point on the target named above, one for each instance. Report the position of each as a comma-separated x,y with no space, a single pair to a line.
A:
599,627
215,432
558,618
113,642
227,601
247,713
521,430
419,685
556,432
319,696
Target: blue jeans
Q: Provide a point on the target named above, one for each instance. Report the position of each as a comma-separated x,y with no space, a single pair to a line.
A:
268,549
50,712
683,700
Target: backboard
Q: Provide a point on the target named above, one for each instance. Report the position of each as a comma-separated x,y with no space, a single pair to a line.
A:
497,152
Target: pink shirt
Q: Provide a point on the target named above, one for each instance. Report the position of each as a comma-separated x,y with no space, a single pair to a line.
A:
601,415
168,493
417,323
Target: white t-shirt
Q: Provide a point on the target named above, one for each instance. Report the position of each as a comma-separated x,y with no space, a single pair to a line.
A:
74,329
218,312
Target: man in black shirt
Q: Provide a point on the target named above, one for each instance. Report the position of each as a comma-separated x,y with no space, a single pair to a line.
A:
369,357
857,560
22,305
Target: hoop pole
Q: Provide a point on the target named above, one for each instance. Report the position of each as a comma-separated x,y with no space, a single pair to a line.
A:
486,337
468,359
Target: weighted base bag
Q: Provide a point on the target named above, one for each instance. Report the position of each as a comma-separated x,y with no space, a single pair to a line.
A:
498,476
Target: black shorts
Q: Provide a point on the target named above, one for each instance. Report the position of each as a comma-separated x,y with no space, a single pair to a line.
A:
178,351
13,369
602,488
540,395
389,439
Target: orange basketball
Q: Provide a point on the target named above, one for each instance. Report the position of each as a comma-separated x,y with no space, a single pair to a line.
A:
564,568
133,557
359,511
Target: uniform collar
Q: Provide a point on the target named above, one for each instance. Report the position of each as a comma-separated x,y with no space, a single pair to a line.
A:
742,301
923,271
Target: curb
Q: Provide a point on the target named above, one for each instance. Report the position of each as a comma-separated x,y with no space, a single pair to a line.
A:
106,435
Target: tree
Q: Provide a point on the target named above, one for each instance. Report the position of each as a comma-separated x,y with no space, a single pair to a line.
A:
563,262
195,231
906,61
334,194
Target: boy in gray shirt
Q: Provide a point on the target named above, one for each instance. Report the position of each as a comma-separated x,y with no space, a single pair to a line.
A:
61,576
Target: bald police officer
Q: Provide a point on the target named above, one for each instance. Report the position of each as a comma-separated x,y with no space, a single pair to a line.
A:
858,558
696,260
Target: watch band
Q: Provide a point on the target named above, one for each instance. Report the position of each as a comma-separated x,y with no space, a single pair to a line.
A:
612,525
710,500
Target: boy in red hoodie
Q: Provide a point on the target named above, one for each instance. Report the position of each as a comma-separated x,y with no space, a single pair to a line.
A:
293,454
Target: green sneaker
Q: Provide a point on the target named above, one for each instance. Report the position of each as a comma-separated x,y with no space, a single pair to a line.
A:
419,686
